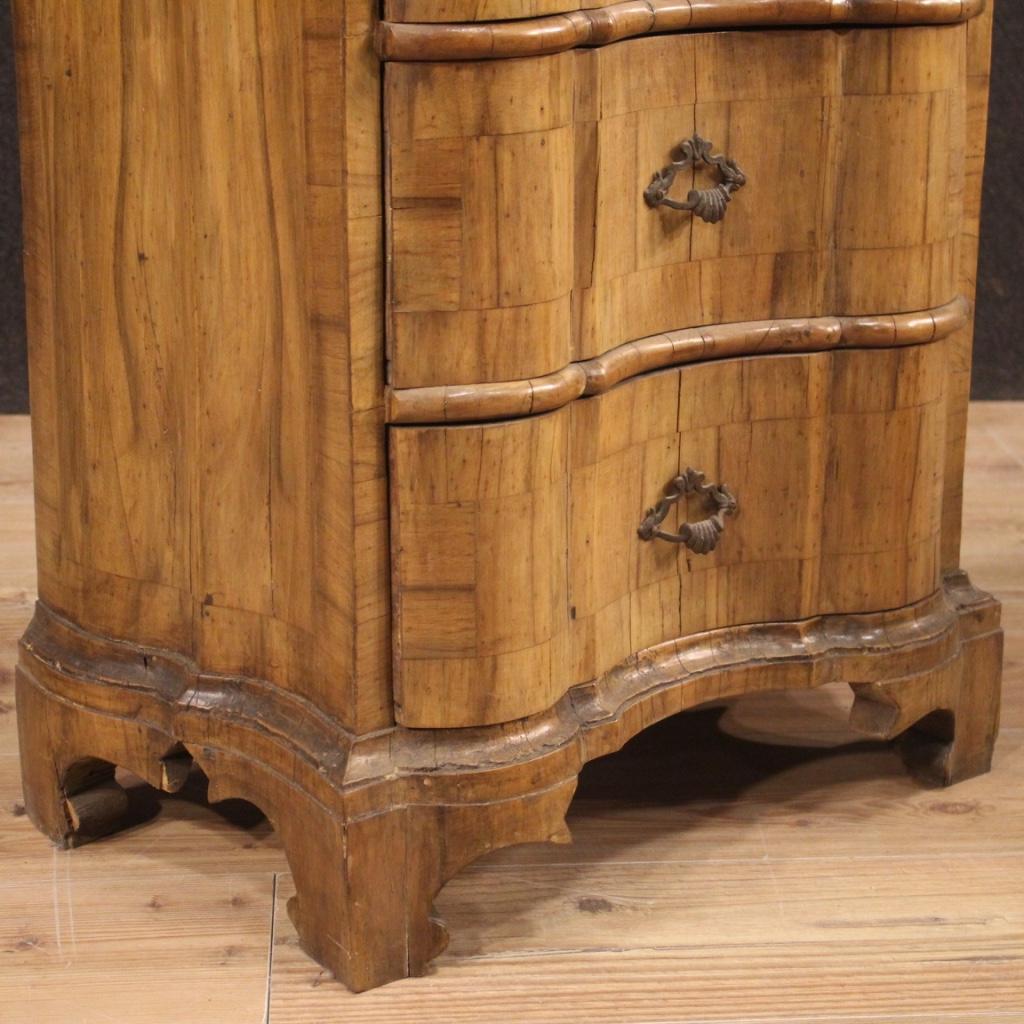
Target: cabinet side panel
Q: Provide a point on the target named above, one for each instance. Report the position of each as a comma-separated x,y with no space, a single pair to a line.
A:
110,376
198,178
37,235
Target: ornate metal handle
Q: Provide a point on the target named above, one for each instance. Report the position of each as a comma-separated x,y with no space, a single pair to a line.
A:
701,537
708,203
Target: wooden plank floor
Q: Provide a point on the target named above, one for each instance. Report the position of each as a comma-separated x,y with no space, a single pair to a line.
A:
759,864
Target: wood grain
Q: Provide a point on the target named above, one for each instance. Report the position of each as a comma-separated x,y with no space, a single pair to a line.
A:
521,240
59,935
167,398
817,910
807,122
596,23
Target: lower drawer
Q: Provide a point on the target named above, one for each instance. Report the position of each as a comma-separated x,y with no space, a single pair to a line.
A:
518,567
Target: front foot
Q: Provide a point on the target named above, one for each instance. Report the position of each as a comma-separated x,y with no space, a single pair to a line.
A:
365,883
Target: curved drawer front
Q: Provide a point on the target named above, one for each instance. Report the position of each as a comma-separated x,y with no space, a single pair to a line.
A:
479,541
521,240
518,567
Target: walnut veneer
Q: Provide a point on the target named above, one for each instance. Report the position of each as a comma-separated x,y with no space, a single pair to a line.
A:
400,446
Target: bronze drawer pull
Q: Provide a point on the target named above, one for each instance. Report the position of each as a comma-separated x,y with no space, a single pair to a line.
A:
701,537
707,203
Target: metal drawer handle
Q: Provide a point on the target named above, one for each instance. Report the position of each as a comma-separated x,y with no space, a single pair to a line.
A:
708,203
702,537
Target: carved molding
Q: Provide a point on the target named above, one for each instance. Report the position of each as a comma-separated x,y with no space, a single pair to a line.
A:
454,403
512,399
555,33
359,775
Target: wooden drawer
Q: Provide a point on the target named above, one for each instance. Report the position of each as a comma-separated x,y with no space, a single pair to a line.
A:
518,569
519,236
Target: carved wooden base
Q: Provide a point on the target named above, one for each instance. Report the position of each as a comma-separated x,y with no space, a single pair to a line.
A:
374,826
945,720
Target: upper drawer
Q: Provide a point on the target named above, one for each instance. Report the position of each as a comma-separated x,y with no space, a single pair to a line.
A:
520,239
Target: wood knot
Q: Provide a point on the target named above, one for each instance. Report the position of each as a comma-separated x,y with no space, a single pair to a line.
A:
955,806
594,905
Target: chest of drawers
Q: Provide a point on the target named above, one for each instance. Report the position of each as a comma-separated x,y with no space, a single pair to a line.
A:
426,401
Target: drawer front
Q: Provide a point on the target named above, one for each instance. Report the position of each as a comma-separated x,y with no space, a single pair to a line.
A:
520,238
479,541
518,568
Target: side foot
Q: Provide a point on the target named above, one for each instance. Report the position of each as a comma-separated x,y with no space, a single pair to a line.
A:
69,755
945,721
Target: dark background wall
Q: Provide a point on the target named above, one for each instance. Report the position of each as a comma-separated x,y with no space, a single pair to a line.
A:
999,338
999,346
13,383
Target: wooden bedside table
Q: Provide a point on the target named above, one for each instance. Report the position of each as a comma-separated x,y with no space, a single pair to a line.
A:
422,407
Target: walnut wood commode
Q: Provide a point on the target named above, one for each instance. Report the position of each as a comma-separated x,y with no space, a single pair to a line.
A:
426,402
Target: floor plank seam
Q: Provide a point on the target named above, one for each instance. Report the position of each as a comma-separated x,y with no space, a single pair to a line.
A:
270,946
774,948
985,853
873,1018
1008,449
